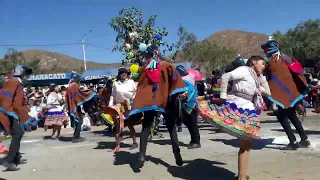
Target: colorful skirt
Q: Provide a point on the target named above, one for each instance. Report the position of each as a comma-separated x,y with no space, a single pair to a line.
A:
117,116
55,118
110,114
231,118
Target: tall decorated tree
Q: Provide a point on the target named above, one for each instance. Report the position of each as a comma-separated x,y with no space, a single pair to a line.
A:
137,39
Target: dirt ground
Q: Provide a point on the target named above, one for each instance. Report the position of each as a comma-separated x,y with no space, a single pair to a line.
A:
216,160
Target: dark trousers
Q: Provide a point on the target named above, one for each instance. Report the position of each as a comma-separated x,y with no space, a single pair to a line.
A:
149,117
17,133
283,115
77,124
190,120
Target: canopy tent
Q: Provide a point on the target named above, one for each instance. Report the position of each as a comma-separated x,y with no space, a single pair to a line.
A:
94,74
46,79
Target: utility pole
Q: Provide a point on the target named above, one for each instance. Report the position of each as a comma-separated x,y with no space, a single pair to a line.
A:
84,50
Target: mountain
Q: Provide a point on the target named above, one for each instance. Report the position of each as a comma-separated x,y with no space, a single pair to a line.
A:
245,43
53,62
50,59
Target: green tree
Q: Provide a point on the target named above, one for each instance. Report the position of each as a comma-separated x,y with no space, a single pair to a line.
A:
13,58
34,65
81,70
131,31
10,60
301,42
206,54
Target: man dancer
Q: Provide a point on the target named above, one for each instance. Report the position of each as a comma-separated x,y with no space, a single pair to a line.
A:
158,88
77,102
287,89
13,114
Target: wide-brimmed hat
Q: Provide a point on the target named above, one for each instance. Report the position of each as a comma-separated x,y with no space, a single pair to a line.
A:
270,47
122,70
182,71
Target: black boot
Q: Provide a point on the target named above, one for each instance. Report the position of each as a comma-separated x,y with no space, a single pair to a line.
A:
18,160
178,157
79,139
304,143
141,160
10,166
290,147
194,145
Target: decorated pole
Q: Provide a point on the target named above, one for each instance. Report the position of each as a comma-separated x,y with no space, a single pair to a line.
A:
138,40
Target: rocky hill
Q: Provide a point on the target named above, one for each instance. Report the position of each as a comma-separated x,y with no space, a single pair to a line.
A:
50,59
53,62
245,43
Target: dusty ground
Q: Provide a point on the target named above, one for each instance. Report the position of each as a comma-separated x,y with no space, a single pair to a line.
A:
216,160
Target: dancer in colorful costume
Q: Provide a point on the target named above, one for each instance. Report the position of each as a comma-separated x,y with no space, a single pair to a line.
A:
237,112
188,108
104,92
158,87
288,86
13,114
116,114
55,116
77,103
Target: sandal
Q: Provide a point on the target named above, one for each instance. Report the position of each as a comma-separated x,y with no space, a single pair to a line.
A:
247,177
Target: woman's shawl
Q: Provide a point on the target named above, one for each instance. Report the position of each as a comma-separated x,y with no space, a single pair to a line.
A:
148,98
190,102
75,98
11,103
286,89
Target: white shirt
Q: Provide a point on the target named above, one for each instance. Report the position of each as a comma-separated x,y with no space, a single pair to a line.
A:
243,82
53,101
122,91
34,111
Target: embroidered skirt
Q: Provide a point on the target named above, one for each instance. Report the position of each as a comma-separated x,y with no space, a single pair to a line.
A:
232,117
117,116
110,114
55,118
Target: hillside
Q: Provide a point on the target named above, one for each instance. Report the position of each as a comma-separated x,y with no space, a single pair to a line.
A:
53,62
244,43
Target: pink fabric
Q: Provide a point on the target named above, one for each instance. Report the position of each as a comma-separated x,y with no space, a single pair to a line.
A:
153,73
198,76
3,149
189,78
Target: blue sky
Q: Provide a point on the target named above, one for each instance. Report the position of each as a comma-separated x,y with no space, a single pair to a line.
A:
66,21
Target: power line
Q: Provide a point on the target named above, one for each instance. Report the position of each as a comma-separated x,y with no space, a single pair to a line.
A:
46,45
16,45
98,46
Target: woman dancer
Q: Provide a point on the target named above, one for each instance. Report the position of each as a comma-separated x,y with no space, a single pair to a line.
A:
55,116
189,110
238,114
13,113
123,91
